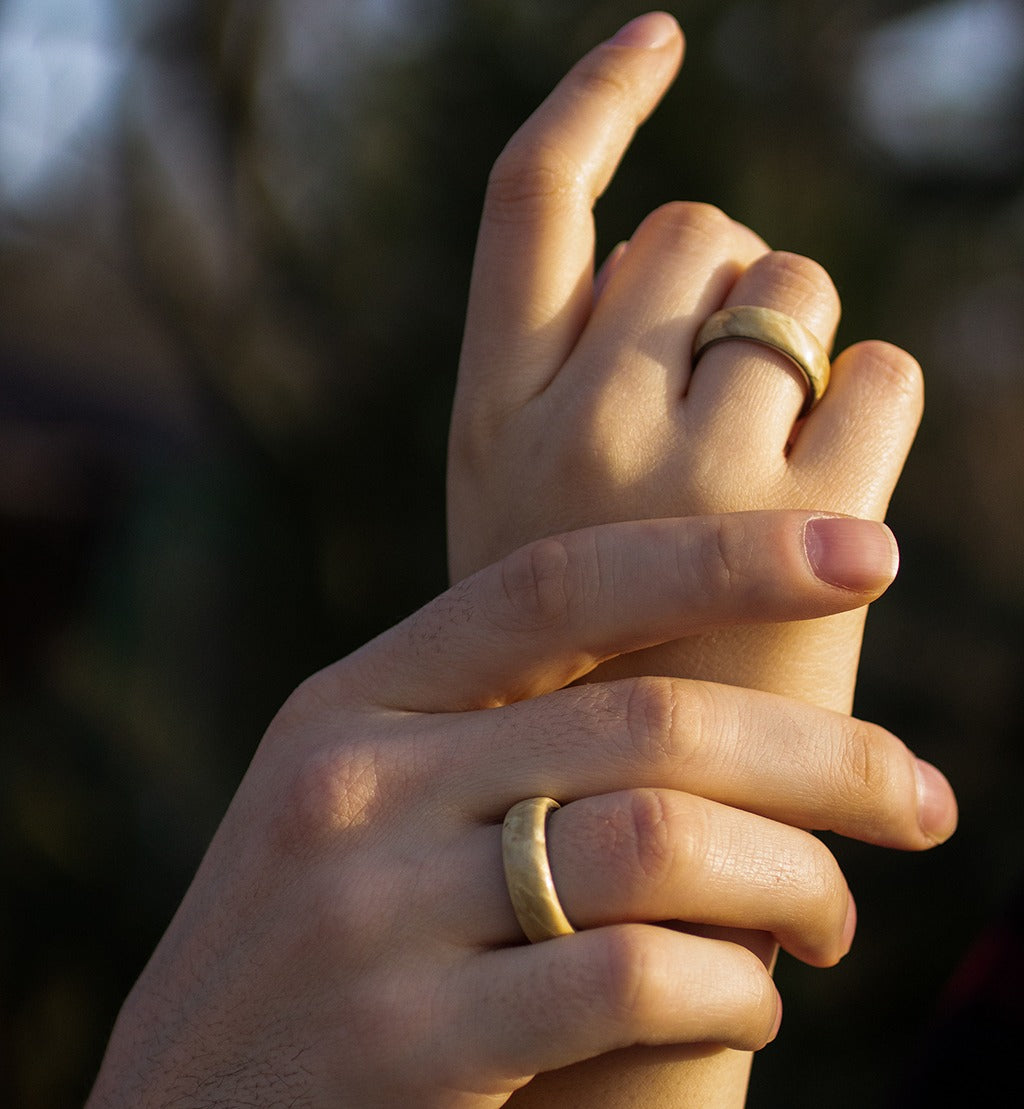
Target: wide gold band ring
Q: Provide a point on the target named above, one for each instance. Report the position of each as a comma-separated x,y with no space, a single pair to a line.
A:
771,329
524,852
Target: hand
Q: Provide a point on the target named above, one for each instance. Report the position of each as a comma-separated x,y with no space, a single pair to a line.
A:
578,403
349,940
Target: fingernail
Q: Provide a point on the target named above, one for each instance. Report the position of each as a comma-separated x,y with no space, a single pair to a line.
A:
936,806
859,555
647,32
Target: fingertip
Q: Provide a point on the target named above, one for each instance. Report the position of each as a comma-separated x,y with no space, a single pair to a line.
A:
648,32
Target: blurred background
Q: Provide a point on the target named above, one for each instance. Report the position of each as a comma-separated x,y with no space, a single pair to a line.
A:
235,240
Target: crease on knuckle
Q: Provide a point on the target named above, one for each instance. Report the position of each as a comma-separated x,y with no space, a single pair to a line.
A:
721,570
677,729
535,590
651,714
593,79
865,771
626,979
649,837
607,984
532,181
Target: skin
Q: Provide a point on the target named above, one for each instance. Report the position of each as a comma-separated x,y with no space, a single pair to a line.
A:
348,939
577,403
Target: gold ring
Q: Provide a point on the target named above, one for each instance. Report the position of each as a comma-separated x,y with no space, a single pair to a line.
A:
771,329
524,851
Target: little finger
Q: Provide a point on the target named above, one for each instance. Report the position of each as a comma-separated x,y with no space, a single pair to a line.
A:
530,1009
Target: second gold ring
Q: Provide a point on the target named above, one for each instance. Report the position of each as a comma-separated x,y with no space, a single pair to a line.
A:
531,887
775,330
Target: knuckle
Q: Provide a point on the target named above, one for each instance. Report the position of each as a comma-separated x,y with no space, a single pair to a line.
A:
531,180
624,978
331,793
759,1001
535,593
801,280
632,983
822,914
725,562
609,981
697,846
336,820
682,221
648,836
535,175
833,891
894,369
594,79
651,711
866,773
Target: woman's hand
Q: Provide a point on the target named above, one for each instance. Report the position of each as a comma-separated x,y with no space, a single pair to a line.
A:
349,939
578,399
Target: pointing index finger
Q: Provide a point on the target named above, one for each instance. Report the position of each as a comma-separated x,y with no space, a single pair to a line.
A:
533,272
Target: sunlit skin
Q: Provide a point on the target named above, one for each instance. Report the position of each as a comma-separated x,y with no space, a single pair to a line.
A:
578,402
348,939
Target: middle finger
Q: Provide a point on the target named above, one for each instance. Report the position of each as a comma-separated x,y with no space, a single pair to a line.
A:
785,760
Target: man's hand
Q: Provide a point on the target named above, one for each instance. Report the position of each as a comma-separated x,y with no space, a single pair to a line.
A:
349,941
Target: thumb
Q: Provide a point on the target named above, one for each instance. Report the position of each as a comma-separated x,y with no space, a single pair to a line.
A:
550,612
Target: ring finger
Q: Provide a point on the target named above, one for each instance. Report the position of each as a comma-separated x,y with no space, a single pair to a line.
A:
738,381
675,270
652,855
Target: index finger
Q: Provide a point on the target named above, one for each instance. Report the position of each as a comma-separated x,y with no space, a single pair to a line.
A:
532,279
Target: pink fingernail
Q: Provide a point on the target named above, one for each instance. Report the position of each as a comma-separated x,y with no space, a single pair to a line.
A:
859,555
647,32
